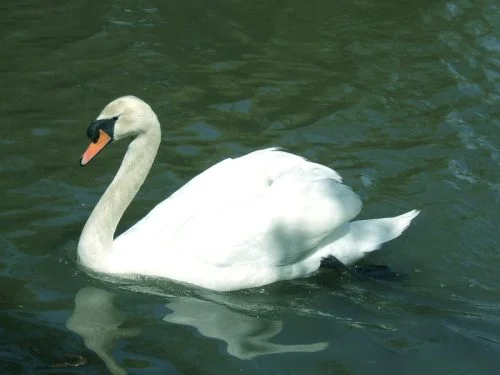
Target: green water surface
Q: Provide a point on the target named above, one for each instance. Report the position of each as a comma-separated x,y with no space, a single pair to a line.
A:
401,98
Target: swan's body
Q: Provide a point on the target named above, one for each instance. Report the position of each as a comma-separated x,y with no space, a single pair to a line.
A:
245,222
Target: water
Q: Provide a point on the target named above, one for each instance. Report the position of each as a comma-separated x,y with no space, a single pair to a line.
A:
402,99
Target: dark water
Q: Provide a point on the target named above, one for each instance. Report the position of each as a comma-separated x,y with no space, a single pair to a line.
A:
402,98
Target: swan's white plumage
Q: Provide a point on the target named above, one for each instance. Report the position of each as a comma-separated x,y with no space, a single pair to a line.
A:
244,222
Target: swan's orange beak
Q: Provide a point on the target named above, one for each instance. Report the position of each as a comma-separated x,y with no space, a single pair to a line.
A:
95,147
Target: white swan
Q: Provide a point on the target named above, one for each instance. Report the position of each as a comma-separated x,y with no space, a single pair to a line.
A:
244,222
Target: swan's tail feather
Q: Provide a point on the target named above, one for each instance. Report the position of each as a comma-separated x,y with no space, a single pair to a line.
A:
364,236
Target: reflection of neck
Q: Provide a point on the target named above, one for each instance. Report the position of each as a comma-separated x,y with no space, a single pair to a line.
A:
96,240
98,322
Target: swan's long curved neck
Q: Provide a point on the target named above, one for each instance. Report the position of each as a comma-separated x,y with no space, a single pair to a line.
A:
96,240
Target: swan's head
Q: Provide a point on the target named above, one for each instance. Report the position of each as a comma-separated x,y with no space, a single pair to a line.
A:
123,117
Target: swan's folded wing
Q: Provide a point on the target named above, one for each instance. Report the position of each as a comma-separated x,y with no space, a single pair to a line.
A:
281,226
267,208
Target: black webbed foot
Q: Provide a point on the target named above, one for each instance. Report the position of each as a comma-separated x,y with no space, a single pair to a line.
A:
379,272
333,263
373,271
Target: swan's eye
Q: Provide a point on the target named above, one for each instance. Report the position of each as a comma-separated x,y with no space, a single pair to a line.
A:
107,125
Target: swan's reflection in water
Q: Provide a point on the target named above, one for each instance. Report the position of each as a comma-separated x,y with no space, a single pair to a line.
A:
246,337
98,322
